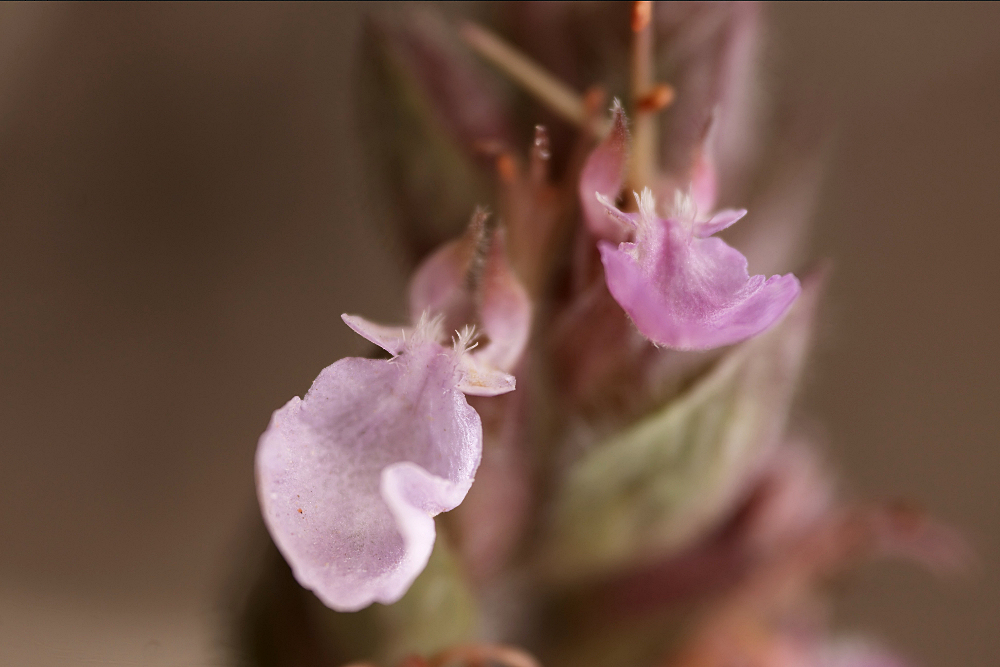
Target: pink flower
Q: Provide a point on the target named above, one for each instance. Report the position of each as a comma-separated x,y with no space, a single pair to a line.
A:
683,289
350,477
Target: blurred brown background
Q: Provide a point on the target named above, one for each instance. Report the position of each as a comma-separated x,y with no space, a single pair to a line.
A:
183,218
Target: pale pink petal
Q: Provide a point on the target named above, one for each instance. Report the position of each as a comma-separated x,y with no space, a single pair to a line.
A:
390,339
414,497
481,379
470,281
505,311
718,222
438,285
690,293
349,477
603,174
704,179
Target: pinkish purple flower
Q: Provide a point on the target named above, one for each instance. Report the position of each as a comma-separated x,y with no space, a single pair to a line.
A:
684,289
350,477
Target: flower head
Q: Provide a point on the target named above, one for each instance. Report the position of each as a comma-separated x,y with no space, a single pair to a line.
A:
653,494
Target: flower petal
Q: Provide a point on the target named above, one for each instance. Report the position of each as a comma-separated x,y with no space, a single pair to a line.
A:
349,477
718,222
390,339
481,379
505,311
704,176
414,497
604,173
439,284
690,293
470,281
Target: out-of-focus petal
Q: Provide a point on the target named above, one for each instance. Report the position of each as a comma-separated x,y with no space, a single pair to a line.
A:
467,99
469,281
603,174
704,179
777,237
708,53
690,293
737,135
718,222
480,379
505,311
439,285
350,477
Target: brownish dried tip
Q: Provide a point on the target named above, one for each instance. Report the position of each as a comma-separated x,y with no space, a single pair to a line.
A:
642,13
659,98
595,100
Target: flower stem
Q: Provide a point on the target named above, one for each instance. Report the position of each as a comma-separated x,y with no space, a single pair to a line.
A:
549,90
642,167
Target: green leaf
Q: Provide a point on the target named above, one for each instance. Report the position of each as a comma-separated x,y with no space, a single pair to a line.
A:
657,487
